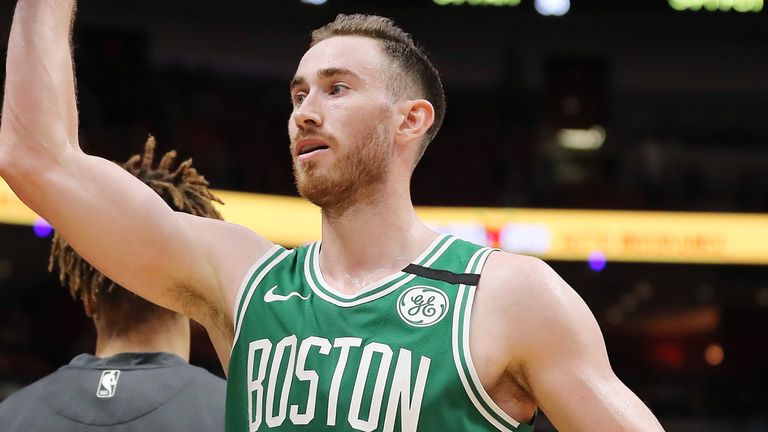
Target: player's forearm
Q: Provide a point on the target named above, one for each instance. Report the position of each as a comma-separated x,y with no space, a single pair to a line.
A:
39,120
595,400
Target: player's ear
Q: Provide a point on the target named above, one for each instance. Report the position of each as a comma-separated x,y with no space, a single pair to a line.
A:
90,311
416,118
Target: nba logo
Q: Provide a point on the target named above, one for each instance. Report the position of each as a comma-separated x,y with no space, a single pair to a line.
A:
108,383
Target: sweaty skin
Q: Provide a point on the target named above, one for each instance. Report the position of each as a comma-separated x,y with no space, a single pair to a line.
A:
552,355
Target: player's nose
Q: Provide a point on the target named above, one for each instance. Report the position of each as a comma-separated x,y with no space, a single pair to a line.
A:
308,114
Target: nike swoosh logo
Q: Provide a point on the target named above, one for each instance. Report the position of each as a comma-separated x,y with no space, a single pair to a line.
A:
270,296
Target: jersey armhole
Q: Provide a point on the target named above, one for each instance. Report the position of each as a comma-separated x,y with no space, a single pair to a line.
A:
251,282
248,276
463,358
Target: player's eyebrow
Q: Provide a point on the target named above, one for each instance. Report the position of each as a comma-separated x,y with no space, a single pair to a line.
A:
324,73
297,81
332,72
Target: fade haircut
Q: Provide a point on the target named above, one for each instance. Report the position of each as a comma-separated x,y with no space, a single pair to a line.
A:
415,77
184,190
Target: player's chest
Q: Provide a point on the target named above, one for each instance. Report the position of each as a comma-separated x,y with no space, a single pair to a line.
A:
331,380
355,364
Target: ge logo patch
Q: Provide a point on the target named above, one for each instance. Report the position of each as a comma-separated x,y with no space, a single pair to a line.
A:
422,306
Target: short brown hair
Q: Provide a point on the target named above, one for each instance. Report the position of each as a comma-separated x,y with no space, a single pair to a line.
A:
417,77
184,190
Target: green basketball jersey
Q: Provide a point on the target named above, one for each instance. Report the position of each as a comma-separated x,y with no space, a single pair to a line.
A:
393,357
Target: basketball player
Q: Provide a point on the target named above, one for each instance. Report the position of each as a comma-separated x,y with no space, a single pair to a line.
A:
372,329
139,378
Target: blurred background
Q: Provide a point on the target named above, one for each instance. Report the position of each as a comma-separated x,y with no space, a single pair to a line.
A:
588,104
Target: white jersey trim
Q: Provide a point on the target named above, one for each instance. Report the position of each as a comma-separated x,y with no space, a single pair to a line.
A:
334,291
477,261
259,262
361,298
380,282
252,289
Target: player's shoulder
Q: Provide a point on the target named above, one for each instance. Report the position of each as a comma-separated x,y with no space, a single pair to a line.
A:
523,284
202,389
205,378
229,234
511,272
27,396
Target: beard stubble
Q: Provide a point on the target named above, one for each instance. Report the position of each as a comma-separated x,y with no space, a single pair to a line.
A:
354,178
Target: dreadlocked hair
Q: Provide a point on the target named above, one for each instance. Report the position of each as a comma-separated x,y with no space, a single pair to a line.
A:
182,188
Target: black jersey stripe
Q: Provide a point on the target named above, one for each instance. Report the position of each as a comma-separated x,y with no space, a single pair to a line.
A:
443,275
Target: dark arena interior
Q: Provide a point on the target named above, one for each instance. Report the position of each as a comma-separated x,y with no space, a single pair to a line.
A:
655,106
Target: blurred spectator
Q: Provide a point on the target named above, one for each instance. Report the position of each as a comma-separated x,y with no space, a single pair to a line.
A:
139,378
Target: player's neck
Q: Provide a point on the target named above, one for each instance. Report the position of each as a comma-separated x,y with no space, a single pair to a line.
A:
165,335
371,241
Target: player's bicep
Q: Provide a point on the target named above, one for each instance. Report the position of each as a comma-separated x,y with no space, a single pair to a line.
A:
230,250
119,225
568,370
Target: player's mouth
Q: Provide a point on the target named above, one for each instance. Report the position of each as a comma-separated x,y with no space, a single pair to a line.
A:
308,148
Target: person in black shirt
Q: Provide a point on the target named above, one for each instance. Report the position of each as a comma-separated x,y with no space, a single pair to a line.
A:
139,378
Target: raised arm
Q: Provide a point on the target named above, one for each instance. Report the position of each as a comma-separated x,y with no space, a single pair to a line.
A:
189,264
557,350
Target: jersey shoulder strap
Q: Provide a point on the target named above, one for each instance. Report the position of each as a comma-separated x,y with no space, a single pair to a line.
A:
460,264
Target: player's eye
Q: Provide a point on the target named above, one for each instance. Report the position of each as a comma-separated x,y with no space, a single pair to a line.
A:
298,98
336,89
